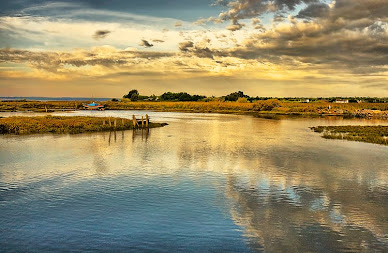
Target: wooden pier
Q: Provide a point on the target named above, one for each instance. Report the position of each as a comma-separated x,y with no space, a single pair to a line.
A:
142,123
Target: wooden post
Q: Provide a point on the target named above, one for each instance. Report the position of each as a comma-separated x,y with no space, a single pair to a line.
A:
134,121
45,107
142,122
115,123
103,122
147,120
122,122
110,123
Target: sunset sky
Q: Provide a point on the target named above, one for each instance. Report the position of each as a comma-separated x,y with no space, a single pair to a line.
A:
279,48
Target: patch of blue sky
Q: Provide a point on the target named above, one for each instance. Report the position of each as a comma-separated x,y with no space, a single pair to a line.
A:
186,10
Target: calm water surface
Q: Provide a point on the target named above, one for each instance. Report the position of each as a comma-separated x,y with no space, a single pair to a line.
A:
204,183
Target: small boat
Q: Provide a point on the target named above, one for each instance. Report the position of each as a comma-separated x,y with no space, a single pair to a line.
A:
94,106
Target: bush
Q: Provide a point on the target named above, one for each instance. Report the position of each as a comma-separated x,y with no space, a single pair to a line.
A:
235,96
266,105
242,100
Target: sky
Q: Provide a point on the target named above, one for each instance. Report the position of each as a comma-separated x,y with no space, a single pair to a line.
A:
278,48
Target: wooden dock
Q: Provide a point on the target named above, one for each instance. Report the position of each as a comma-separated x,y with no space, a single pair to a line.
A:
142,123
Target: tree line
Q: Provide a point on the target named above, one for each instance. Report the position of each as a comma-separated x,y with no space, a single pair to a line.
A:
239,96
134,95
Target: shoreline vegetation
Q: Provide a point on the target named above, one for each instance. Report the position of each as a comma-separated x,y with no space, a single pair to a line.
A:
370,134
63,124
270,106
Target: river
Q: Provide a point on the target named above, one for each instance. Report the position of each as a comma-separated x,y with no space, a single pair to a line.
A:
204,183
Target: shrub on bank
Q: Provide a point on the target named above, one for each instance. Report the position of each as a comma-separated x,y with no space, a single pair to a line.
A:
371,134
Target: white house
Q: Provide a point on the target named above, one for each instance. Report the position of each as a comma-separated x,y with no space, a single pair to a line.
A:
342,101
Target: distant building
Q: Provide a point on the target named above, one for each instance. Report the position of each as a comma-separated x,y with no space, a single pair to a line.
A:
342,101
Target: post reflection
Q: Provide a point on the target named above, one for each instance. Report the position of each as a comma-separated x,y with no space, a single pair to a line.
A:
143,134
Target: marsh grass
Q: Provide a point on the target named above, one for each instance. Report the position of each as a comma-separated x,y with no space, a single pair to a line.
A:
39,106
61,124
261,106
370,134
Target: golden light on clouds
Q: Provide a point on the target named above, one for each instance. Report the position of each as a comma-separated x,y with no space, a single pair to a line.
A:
318,48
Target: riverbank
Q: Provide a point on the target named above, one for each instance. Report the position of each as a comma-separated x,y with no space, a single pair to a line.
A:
370,134
272,106
62,124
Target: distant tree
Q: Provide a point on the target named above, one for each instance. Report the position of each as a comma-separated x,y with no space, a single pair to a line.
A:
167,96
133,94
141,97
181,96
353,100
331,100
235,95
134,97
115,100
198,97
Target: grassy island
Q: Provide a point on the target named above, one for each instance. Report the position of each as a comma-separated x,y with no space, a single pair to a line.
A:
62,124
370,134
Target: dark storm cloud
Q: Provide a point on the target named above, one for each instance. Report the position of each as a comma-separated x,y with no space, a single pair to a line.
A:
40,60
52,61
202,51
101,34
188,47
145,43
351,34
185,46
357,9
243,9
235,26
343,51
315,10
